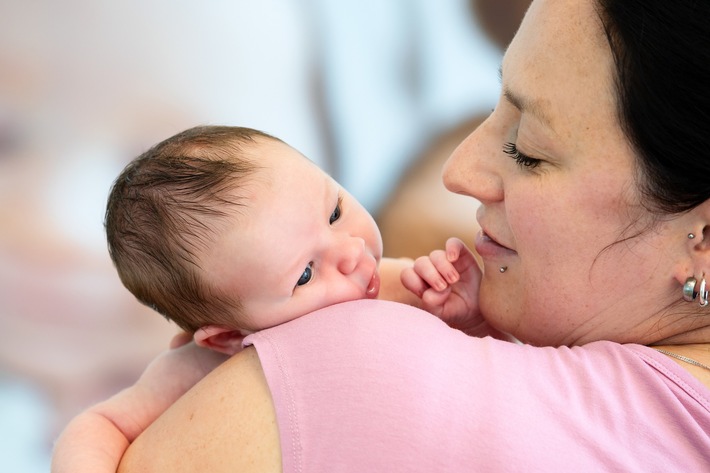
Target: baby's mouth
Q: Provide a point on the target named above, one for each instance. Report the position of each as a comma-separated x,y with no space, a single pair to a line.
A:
373,287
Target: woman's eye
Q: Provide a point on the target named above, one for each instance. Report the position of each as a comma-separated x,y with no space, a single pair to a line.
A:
336,213
523,160
306,276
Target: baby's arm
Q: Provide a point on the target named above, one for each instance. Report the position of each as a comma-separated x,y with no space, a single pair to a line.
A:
447,283
391,287
96,439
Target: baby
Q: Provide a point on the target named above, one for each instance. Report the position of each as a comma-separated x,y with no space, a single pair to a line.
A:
226,231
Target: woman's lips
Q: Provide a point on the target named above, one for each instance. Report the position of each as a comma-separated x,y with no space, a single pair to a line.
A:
487,247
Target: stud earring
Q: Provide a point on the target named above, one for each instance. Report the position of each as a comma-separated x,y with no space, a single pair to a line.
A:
691,236
503,269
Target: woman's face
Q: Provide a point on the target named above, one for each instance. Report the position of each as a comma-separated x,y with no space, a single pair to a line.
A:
559,201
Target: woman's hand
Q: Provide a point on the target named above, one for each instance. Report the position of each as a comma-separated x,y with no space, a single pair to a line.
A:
447,282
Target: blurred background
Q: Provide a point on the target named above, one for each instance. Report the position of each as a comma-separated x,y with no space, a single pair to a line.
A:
377,92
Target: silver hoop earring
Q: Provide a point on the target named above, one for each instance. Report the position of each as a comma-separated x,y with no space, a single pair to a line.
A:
703,294
689,293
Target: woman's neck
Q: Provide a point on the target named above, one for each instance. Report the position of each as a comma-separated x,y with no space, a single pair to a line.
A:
694,358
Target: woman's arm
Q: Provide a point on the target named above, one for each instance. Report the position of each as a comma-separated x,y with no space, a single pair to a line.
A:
96,439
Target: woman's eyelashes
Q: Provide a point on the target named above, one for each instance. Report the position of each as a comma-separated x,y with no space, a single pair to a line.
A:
523,160
337,212
306,276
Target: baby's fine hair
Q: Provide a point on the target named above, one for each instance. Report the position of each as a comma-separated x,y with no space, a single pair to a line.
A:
163,210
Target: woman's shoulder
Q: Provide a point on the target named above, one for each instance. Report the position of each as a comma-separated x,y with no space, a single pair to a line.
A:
397,383
680,384
378,331
225,423
361,320
359,370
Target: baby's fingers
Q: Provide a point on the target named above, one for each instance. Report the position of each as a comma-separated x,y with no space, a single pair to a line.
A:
435,270
433,298
412,282
428,274
444,266
460,256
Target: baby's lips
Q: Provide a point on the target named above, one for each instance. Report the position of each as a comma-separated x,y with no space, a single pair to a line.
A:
373,287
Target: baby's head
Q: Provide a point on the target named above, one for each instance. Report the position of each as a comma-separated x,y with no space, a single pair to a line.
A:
227,230
164,211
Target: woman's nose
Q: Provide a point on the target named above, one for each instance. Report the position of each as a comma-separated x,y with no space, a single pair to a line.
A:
472,169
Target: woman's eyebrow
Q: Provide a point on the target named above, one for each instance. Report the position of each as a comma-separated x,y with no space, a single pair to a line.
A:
524,104
528,105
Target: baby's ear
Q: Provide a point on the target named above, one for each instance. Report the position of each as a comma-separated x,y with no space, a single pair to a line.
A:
220,339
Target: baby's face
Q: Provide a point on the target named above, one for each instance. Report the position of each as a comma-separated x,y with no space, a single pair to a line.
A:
300,244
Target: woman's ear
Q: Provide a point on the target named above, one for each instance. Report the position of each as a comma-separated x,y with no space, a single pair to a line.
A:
699,229
220,339
696,228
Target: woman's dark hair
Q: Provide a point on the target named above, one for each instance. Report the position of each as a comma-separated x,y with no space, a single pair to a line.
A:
662,53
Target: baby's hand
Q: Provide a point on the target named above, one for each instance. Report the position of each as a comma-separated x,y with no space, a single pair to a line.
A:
447,282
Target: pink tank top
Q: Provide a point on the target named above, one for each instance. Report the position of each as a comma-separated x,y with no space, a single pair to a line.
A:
370,386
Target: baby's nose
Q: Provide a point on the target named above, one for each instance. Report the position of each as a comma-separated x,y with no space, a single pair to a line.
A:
349,254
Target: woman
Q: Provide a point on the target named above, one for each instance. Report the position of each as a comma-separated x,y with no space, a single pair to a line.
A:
596,227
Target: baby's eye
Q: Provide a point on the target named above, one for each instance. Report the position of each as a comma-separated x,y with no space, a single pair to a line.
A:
306,276
336,213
